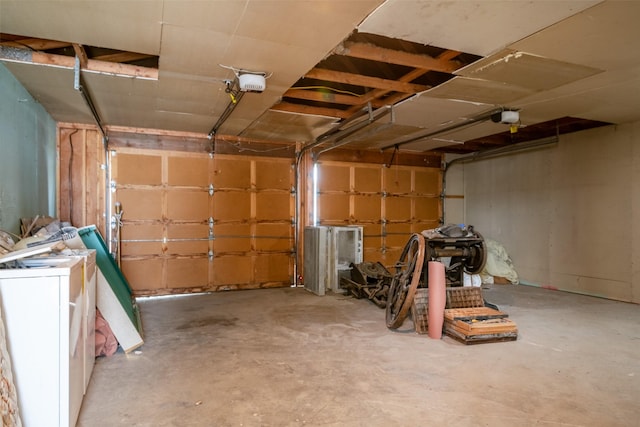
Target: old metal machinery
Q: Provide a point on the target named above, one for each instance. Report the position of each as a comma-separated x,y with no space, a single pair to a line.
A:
368,280
461,249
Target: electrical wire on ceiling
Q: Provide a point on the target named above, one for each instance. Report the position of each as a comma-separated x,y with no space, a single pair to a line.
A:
347,92
253,150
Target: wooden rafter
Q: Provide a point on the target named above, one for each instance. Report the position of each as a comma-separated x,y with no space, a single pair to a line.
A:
33,43
323,96
369,51
102,67
81,54
122,57
366,81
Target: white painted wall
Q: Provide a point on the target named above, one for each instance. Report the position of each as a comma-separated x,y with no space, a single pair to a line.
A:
566,213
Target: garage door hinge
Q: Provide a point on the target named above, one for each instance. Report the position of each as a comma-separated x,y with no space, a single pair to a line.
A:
211,189
210,255
112,184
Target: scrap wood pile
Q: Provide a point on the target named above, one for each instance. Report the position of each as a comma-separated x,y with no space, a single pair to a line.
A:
38,234
468,318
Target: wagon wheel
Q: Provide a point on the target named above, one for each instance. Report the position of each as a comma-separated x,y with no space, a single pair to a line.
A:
478,256
405,281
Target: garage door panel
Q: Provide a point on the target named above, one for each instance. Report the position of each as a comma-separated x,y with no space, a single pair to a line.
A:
188,272
272,175
367,208
334,207
192,239
138,169
231,173
140,204
426,208
372,236
188,171
270,268
232,206
273,206
273,237
334,178
144,274
428,181
187,204
397,181
398,234
141,239
232,238
398,208
367,180
232,270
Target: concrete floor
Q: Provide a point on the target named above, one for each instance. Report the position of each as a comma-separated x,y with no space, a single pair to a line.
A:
285,357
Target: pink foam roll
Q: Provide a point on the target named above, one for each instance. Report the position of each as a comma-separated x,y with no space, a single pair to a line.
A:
437,298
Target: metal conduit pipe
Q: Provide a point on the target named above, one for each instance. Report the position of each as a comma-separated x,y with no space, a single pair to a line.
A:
338,132
235,100
522,146
428,134
78,85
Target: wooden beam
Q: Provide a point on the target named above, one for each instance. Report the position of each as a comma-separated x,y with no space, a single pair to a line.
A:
34,44
40,58
366,81
376,53
81,54
314,111
122,57
329,97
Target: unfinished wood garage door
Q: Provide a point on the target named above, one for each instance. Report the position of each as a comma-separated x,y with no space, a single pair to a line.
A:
389,203
194,223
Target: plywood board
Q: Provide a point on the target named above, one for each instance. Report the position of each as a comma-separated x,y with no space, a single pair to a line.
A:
187,204
273,206
291,127
232,270
449,24
141,204
478,90
231,206
367,208
138,169
188,171
231,172
274,237
144,274
606,29
272,268
411,112
526,70
232,238
187,272
135,26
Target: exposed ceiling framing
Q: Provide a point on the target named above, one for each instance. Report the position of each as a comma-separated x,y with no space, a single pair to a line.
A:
564,65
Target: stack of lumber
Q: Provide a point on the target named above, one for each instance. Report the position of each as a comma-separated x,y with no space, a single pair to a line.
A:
479,324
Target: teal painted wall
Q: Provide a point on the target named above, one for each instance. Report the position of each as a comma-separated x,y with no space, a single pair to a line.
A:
27,155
